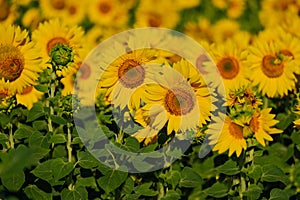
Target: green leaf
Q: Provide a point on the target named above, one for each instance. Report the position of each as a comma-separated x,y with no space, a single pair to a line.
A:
229,168
171,195
42,88
277,194
78,193
132,144
35,112
58,120
272,173
217,190
58,139
86,160
4,119
23,131
255,172
189,178
53,170
253,192
13,181
86,182
111,180
173,177
3,138
128,186
145,190
296,137
284,120
40,125
281,151
34,193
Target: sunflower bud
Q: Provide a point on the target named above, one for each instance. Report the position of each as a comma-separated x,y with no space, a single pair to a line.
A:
61,55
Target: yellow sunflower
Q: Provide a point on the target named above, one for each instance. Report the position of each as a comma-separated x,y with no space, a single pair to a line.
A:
29,96
53,8
277,9
32,18
147,14
230,62
19,60
8,12
104,12
57,34
234,8
227,137
224,29
271,68
200,30
183,105
125,75
261,125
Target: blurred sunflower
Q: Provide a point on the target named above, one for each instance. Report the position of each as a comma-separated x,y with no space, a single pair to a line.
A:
277,9
200,30
55,36
230,62
224,29
19,60
8,12
29,96
147,15
53,8
261,125
32,18
234,8
104,12
227,137
272,69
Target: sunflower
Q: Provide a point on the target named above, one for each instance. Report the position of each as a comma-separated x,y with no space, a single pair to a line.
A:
31,18
179,99
103,12
53,8
125,75
19,60
224,29
55,36
277,9
234,8
200,30
261,125
227,137
8,12
147,15
29,96
272,68
230,62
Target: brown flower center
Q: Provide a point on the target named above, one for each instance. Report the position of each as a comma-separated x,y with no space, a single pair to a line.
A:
131,74
228,67
104,7
236,130
55,41
272,66
155,20
179,101
58,4
4,10
11,63
72,10
254,123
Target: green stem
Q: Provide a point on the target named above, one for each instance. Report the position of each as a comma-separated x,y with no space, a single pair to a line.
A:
69,148
160,189
242,186
120,136
11,138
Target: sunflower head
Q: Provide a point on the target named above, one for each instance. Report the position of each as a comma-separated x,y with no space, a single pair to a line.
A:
61,55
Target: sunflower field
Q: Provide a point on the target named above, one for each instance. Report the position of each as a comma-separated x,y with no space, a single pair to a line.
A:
149,99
